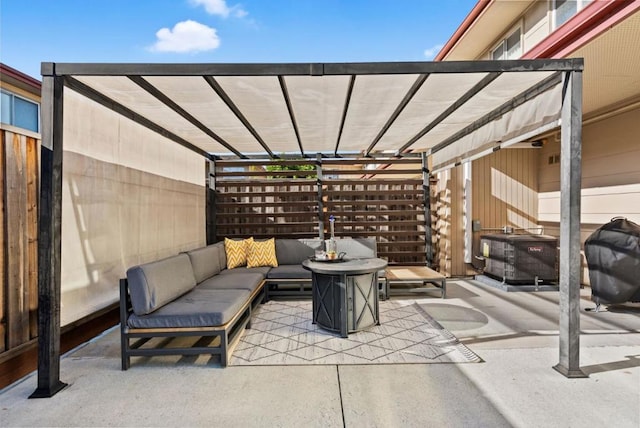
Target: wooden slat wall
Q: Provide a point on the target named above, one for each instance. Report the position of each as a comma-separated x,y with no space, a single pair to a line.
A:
18,264
504,193
3,271
387,204
448,206
505,189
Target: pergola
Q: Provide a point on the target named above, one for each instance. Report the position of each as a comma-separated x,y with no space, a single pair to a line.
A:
453,111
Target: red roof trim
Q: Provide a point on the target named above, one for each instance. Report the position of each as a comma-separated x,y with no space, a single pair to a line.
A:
462,29
20,76
582,27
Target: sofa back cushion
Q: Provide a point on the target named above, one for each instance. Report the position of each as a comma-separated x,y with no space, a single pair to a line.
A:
357,248
153,285
222,255
205,262
295,251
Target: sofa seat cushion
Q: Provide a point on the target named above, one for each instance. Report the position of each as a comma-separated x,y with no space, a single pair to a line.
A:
263,270
289,272
152,285
198,308
248,281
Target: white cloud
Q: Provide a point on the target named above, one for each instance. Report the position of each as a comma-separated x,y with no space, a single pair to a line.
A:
219,7
186,36
433,51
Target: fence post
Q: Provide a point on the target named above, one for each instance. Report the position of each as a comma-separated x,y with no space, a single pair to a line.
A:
210,201
320,202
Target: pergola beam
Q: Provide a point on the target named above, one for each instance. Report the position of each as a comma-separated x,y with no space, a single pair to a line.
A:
313,69
292,115
407,97
115,106
496,113
345,109
452,108
234,108
164,99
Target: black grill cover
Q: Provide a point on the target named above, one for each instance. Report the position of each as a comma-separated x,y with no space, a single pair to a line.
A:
613,257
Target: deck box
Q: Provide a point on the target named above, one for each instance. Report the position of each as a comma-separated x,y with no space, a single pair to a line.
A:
519,258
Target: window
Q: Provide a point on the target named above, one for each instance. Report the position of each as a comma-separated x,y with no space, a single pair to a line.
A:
563,10
509,48
20,112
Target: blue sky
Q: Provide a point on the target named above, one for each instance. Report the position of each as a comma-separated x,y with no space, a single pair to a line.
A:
33,31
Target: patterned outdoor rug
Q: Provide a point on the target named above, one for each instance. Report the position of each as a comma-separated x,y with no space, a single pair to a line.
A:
282,334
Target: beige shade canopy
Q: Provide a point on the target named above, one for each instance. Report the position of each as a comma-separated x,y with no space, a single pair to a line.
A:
453,110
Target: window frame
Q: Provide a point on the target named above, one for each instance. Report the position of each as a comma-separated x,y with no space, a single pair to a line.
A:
12,109
580,4
502,43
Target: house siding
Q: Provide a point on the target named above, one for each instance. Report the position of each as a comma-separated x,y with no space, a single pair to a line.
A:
610,177
536,25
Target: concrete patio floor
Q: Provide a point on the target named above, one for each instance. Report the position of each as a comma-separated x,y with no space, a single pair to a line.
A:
516,334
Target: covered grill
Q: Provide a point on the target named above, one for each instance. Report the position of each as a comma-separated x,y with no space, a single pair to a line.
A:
613,257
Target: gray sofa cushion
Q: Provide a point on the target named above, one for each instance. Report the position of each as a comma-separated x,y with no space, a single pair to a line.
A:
198,308
295,251
205,262
356,248
222,255
239,281
289,272
155,284
262,270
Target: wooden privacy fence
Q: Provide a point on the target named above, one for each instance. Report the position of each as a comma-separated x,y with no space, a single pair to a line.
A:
19,172
387,200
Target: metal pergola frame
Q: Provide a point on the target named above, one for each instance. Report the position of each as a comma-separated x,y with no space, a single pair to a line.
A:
57,76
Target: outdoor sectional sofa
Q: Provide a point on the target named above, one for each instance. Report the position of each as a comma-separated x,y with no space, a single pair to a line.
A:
194,295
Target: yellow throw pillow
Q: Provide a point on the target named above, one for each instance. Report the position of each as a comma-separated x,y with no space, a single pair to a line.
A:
262,253
236,252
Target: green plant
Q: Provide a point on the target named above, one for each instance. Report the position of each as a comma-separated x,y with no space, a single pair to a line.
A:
279,167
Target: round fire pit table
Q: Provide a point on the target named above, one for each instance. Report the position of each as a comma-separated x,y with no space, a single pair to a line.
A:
345,293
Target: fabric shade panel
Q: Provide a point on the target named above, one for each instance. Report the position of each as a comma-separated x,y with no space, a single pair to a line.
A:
270,110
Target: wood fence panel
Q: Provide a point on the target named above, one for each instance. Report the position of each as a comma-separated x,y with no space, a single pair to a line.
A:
3,289
16,224
19,176
33,191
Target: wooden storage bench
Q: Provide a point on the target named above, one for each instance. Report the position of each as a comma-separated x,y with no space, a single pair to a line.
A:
420,275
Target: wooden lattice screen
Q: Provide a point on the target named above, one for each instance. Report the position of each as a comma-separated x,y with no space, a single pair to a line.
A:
367,197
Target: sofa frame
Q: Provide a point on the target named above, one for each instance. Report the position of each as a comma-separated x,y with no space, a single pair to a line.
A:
228,333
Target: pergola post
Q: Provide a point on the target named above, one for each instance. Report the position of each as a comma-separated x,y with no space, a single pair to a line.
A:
570,261
49,238
426,197
320,202
210,201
